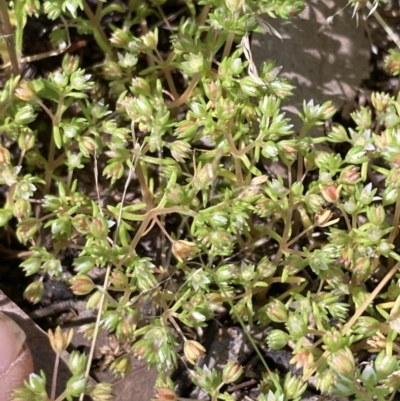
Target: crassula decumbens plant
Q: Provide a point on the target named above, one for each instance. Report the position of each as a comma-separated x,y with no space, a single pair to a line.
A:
165,143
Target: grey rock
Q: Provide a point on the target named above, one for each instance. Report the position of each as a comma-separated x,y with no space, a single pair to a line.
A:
323,61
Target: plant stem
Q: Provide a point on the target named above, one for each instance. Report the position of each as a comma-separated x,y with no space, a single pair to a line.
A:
97,327
98,32
228,45
168,76
8,34
385,26
147,195
163,229
99,10
185,95
292,241
54,381
50,160
288,224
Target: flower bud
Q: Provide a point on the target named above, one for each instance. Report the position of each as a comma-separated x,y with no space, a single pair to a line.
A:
338,134
392,62
277,339
81,284
70,63
122,365
314,202
322,217
347,257
226,109
297,325
265,267
22,208
25,91
380,101
5,156
362,117
293,386
384,248
361,269
27,229
390,195
37,385
350,175
150,40
193,350
165,394
231,372
233,5
142,106
376,214
276,311
328,110
31,266
76,385
249,86
330,192
213,89
180,150
34,292
183,250
342,362
99,227
378,341
385,365
87,146
59,341
288,151
333,341
102,392
367,326
81,223
94,300
303,358
77,362
325,380
120,38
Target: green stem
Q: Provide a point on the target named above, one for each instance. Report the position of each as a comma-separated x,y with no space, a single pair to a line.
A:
165,67
52,150
69,180
50,160
346,218
98,32
300,167
228,45
288,221
8,35
147,195
99,10
185,95
97,327
239,173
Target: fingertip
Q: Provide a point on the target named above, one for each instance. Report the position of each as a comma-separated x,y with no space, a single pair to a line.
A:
16,362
